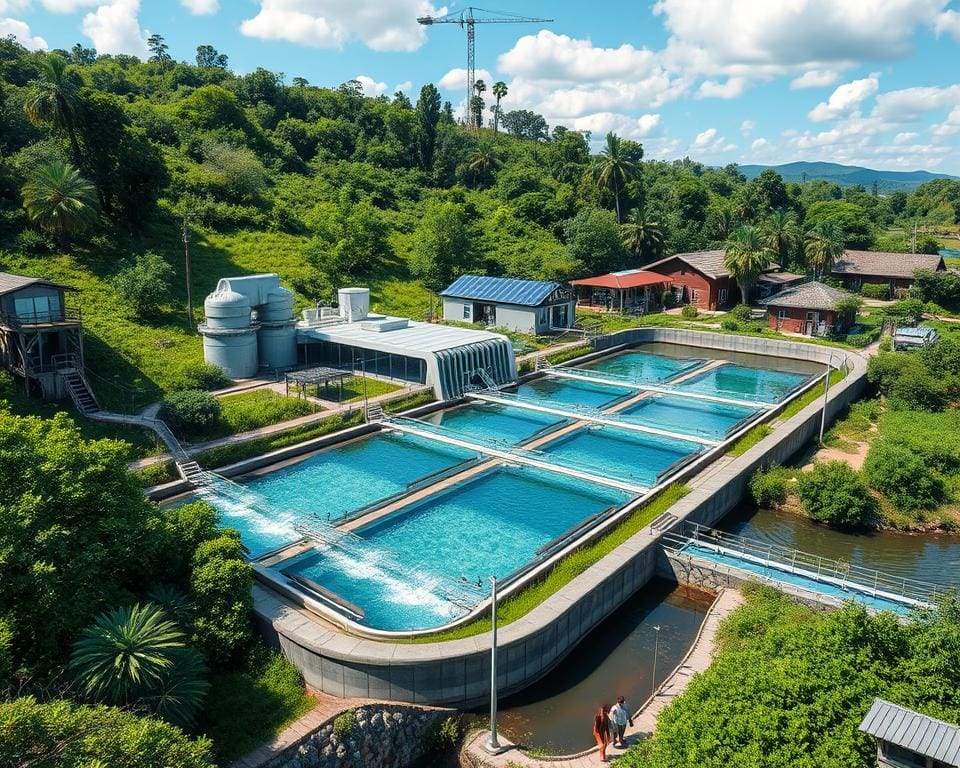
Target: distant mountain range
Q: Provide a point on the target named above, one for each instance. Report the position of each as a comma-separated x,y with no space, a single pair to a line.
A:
847,175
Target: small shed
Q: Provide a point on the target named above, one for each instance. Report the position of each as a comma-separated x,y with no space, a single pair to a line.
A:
528,306
906,337
908,739
810,308
626,291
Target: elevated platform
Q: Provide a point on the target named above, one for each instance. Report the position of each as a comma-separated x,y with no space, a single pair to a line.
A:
613,380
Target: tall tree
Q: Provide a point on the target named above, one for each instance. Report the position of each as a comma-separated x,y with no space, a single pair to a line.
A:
783,234
53,100
477,104
613,171
60,201
642,237
482,162
159,50
208,56
747,255
444,248
824,245
428,115
500,92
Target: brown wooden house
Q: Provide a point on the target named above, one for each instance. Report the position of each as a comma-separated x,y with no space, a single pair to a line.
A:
810,309
700,279
895,270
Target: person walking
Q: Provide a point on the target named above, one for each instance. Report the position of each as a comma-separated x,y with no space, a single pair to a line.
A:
601,731
620,716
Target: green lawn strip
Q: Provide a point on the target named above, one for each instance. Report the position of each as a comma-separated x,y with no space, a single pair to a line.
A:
753,436
519,605
248,708
794,407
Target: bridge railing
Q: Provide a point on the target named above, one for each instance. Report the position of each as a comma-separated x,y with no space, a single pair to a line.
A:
822,568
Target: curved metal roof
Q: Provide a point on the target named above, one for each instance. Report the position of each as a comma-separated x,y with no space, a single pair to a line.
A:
505,290
922,734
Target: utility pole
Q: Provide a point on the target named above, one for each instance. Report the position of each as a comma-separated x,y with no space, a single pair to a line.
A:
186,262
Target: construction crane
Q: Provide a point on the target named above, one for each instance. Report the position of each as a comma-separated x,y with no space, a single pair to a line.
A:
466,18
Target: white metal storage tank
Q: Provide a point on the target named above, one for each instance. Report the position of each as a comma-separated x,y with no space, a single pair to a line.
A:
229,339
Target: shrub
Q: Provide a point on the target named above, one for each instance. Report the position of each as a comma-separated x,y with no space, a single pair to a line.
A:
729,324
859,339
220,587
875,291
190,411
6,656
907,310
144,284
742,312
205,376
689,312
58,733
445,736
886,344
564,355
833,492
903,477
345,723
919,390
770,488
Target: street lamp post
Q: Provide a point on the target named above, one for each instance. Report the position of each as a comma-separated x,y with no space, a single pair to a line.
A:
186,264
656,650
493,744
826,389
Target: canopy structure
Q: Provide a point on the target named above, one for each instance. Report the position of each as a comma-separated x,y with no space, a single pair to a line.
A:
316,377
619,291
630,278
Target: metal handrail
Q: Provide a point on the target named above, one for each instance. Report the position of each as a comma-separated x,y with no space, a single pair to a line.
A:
62,315
821,567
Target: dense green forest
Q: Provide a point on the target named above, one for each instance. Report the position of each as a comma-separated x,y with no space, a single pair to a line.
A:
106,160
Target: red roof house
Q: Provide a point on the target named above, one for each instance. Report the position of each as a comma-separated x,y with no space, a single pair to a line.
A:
620,291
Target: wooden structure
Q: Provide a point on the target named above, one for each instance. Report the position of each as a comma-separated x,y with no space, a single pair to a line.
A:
810,309
908,739
41,338
632,290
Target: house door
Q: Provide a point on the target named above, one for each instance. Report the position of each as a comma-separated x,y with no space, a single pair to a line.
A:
813,318
722,298
560,316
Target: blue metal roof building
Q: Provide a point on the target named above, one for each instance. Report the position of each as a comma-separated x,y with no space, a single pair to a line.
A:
530,306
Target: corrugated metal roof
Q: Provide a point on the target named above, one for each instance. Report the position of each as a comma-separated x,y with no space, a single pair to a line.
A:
885,264
10,282
812,295
506,290
922,734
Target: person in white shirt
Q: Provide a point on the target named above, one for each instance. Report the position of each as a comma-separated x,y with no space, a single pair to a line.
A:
619,717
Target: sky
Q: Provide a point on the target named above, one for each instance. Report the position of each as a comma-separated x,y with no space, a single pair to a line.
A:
865,82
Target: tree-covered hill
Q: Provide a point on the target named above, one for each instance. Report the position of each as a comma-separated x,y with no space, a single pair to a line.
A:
105,159
846,175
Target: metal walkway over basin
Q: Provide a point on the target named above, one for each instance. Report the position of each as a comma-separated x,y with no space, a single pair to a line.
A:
512,454
804,571
613,380
582,413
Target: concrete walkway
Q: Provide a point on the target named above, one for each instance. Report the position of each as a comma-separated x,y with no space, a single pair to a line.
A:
697,659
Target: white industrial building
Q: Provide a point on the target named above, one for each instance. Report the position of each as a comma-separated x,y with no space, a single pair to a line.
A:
528,306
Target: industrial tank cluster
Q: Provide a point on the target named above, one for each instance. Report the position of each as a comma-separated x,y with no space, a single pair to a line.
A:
250,325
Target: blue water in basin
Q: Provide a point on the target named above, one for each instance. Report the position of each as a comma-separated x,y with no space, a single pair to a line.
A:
687,416
494,422
761,384
571,392
622,454
489,525
784,576
644,366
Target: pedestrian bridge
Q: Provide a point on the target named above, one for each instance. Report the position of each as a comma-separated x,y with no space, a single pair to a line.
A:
819,578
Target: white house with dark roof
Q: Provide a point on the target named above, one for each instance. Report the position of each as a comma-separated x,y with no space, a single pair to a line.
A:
896,270
907,739
528,306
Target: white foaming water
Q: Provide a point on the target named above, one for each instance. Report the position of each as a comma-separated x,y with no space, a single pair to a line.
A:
248,507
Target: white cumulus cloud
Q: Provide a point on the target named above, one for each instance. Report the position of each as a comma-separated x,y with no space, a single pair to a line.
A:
406,86
948,23
704,138
747,126
115,28
733,87
844,99
908,105
201,7
67,6
370,86
21,31
549,56
905,137
381,26
627,126
949,126
814,78
759,144
456,79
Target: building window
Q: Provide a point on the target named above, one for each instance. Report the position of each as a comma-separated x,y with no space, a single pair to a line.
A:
781,314
722,297
466,311
541,317
694,295
38,309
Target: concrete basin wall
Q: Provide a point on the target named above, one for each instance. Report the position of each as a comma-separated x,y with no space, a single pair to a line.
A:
457,672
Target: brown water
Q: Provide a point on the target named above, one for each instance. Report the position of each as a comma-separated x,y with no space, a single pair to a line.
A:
556,714
933,558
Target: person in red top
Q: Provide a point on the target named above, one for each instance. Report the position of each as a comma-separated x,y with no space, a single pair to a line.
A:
601,731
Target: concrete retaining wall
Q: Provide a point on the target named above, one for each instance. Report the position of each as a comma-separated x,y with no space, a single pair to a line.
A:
457,672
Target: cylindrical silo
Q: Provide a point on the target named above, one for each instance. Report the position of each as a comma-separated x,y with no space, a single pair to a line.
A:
277,343
278,306
229,339
227,309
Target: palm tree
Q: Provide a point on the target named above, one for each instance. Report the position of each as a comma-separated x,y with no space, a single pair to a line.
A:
723,223
482,162
642,237
53,100
477,103
500,91
612,170
135,655
783,234
747,255
60,200
823,247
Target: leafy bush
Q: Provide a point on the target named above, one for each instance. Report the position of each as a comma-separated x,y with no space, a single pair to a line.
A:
859,339
770,488
905,310
6,656
886,344
875,291
144,284
908,383
445,736
58,733
556,358
729,324
205,376
220,585
742,312
345,723
667,299
689,312
190,411
903,477
833,492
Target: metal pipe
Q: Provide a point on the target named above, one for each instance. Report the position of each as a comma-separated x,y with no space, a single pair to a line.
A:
493,745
